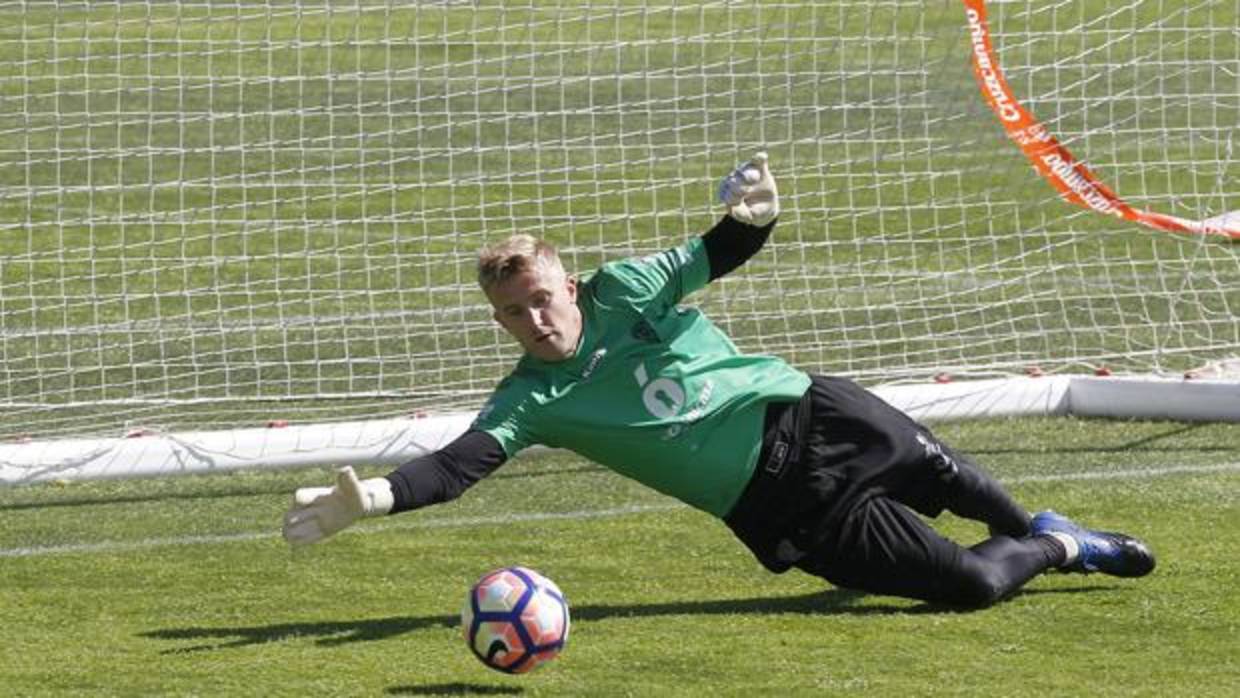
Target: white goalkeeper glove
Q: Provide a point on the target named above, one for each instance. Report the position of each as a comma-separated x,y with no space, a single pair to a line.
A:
319,512
749,192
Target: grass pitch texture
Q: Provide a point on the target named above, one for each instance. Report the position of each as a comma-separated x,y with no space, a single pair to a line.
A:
216,214
183,587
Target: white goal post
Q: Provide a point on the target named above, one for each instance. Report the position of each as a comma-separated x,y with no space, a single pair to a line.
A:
240,233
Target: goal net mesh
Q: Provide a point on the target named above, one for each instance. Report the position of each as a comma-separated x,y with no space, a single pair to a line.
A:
222,213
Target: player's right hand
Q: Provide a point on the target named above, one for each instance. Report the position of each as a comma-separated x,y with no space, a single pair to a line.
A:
749,192
319,512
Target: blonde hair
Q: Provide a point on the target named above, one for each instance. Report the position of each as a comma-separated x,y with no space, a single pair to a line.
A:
499,262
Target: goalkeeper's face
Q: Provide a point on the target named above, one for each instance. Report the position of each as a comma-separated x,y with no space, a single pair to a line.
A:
538,307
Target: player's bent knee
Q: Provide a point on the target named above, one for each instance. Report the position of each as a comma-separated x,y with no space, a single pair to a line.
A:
980,589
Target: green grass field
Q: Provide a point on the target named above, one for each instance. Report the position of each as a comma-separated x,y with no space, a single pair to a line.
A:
183,587
213,214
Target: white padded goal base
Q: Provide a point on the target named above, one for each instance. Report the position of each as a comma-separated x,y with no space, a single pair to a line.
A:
390,442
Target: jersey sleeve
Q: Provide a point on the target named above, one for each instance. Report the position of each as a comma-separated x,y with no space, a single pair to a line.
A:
660,280
731,243
507,416
443,475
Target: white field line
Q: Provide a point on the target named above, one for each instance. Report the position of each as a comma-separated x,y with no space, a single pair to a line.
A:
108,547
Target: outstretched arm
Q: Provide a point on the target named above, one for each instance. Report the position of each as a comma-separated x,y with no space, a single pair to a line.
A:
444,475
319,512
731,243
750,195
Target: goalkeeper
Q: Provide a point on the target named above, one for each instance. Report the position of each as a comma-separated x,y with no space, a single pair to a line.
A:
808,471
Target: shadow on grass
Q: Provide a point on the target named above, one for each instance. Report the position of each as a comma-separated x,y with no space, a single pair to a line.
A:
228,490
71,500
334,633
1143,444
455,689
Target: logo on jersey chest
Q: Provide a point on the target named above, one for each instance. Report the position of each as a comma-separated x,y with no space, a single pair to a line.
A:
595,359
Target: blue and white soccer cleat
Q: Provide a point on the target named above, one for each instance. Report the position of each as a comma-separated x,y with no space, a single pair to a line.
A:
1100,551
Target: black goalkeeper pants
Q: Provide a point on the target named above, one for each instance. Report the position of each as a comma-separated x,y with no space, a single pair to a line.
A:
837,491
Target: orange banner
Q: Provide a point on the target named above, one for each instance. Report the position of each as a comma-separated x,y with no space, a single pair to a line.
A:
1074,181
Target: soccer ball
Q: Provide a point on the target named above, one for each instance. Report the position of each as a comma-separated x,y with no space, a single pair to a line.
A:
515,619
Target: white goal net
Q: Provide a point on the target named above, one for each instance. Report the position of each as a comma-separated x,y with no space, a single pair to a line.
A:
219,215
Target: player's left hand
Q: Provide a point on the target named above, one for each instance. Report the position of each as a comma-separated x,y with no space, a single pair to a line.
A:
749,192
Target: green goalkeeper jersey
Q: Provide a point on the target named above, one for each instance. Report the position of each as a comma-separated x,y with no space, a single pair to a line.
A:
654,391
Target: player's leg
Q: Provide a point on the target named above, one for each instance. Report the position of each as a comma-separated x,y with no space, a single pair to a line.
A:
952,482
882,547
875,446
877,461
